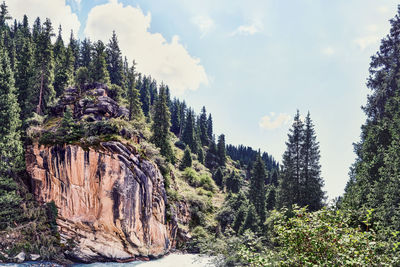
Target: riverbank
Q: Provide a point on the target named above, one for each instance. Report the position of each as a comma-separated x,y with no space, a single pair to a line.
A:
171,260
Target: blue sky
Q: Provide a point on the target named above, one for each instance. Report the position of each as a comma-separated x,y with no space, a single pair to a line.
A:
251,63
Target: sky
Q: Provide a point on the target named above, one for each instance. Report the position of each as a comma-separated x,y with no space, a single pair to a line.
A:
251,63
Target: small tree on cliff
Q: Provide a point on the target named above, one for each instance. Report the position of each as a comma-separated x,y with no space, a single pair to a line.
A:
187,159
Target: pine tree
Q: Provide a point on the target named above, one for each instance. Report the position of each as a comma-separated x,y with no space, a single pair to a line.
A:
82,77
221,150
153,90
233,183
257,188
85,53
210,133
44,67
114,61
11,151
311,193
239,219
24,75
270,202
64,65
290,179
203,127
187,159
219,177
74,52
252,221
161,125
200,155
145,95
135,107
175,117
98,67
189,134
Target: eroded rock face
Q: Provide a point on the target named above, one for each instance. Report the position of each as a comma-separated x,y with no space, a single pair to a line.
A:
111,203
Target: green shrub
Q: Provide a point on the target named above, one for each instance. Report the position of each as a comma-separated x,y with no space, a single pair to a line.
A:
321,238
207,182
192,177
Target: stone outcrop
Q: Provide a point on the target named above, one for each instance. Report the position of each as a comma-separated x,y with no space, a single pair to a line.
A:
111,202
92,104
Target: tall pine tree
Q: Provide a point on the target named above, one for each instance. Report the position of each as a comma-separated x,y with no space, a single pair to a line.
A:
257,188
161,125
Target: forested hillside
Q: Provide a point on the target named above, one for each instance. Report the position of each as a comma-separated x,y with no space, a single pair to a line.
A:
231,201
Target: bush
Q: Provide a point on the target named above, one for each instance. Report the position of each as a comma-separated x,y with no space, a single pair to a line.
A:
191,176
322,238
207,182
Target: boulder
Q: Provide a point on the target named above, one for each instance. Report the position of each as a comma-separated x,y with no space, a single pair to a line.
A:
20,257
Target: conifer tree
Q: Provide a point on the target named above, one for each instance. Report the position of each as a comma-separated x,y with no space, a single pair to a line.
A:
290,179
85,53
24,75
175,117
219,177
300,182
252,221
189,134
11,151
271,198
187,159
311,193
161,125
203,127
233,183
257,187
145,95
200,155
221,150
114,61
210,133
64,65
4,15
153,90
239,219
135,107
44,67
98,67
74,50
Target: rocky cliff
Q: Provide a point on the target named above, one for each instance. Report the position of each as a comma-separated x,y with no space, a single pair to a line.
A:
111,202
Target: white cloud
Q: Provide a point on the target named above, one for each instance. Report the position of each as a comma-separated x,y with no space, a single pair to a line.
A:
56,10
328,51
251,29
373,34
203,23
272,121
365,41
383,9
166,61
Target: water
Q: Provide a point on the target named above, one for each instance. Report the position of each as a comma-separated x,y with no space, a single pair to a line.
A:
172,260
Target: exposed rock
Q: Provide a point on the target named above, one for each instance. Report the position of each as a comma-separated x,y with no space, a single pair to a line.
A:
111,202
94,102
20,257
34,257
